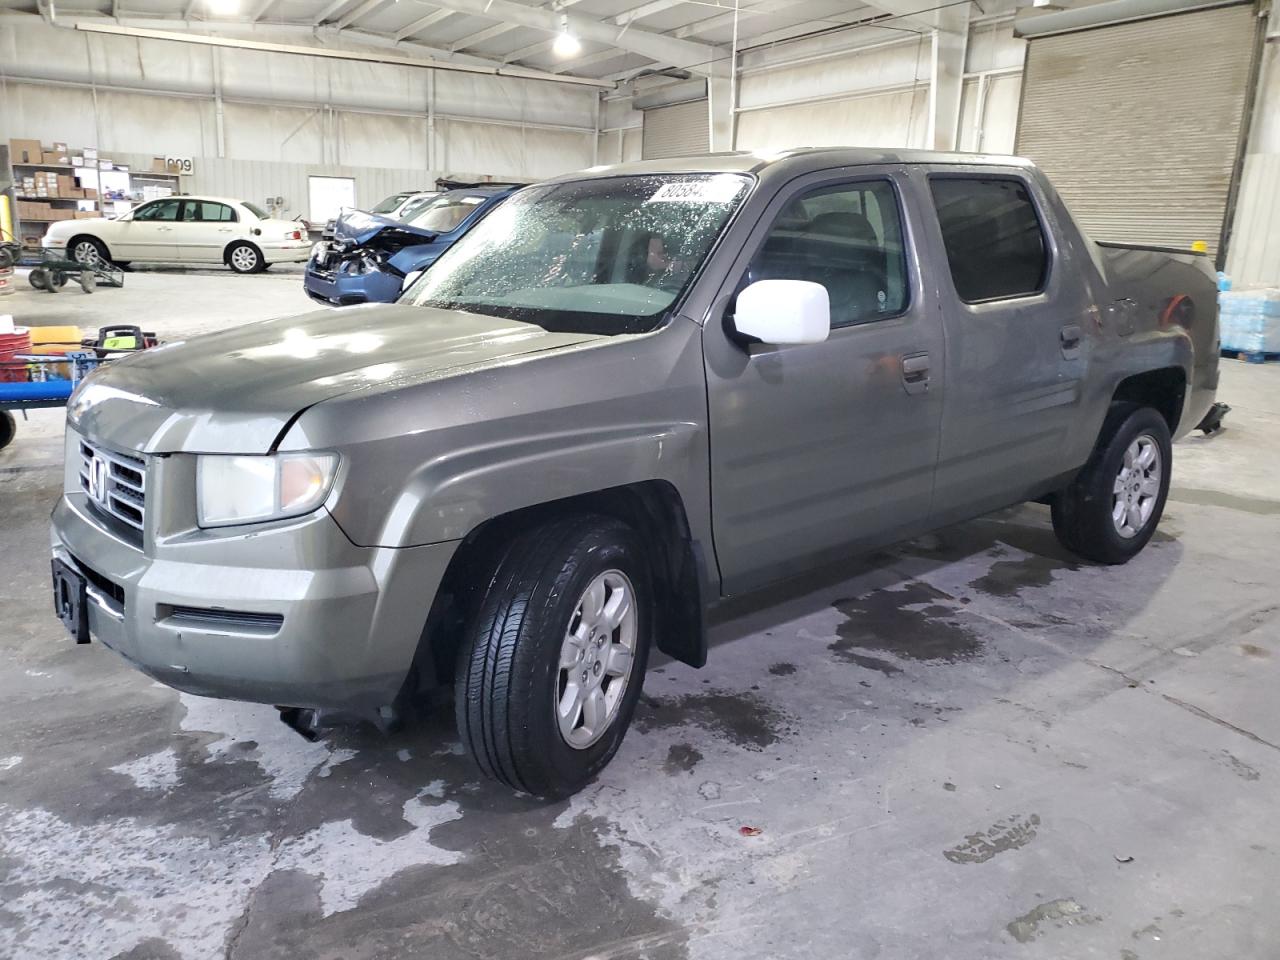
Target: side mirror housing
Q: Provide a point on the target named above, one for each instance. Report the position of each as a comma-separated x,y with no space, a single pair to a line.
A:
783,311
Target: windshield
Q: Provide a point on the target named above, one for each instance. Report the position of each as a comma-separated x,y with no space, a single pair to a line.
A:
389,204
442,214
416,206
256,210
599,256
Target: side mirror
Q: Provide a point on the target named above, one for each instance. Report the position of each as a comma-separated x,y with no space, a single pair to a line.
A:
783,311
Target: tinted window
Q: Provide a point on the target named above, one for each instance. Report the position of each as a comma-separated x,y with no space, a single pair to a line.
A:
206,211
995,244
847,238
159,210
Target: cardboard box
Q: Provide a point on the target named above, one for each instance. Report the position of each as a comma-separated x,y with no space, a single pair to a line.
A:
158,166
87,214
65,184
60,147
90,193
90,155
105,165
52,157
25,151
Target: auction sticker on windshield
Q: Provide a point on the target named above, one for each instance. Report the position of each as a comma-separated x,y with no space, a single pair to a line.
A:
720,189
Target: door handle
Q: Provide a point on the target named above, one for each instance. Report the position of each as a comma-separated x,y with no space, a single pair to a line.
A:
164,229
1069,336
915,373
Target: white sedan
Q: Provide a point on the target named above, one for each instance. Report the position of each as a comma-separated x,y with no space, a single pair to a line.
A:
184,230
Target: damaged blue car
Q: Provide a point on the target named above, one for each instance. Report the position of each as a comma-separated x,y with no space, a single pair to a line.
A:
372,258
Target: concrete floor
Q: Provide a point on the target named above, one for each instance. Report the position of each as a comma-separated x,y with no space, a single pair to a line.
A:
968,747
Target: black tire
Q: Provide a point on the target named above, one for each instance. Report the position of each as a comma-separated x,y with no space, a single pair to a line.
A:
88,281
8,428
39,278
244,257
1083,512
78,250
509,675
59,279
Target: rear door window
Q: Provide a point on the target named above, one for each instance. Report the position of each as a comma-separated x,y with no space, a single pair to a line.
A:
995,243
210,212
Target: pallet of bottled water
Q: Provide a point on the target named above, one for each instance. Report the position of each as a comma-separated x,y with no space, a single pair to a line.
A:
1249,321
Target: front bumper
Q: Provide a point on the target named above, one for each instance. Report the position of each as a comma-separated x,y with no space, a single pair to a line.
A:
332,625
336,288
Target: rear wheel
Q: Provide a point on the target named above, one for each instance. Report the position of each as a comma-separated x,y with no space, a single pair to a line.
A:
244,257
554,660
89,251
1111,510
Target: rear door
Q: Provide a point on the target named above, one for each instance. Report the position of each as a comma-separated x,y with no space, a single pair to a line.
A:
819,448
1019,332
148,234
203,230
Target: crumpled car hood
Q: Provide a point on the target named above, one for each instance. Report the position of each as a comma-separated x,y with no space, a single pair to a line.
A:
236,391
362,227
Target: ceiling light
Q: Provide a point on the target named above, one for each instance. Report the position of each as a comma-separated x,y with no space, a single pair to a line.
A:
566,44
223,8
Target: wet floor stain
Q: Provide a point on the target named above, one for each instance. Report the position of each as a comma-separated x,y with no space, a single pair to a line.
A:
884,621
1003,835
1253,650
1064,912
1008,578
871,663
741,718
782,669
681,758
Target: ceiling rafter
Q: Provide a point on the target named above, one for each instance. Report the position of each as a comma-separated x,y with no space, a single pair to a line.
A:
333,7
404,33
671,50
363,10
480,36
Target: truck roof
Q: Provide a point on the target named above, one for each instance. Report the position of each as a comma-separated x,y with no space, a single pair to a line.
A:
793,162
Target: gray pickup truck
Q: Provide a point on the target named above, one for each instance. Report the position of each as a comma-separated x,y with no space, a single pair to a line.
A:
626,395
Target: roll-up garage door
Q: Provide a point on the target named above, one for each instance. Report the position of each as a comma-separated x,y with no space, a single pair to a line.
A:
679,130
1138,124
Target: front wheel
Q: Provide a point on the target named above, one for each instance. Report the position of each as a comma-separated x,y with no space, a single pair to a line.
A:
245,258
1112,508
89,251
554,660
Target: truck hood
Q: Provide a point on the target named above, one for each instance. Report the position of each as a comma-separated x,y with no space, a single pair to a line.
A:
236,391
361,227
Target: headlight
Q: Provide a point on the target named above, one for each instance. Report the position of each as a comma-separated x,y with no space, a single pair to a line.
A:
252,489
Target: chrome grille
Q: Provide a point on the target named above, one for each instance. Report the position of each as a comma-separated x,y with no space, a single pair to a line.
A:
115,482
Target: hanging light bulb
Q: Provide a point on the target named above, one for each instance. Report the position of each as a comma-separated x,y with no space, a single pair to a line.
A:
566,44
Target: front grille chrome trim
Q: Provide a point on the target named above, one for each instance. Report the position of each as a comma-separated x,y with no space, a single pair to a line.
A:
120,489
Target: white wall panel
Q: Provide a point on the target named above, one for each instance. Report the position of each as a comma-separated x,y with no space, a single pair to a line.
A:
368,140
900,64
282,134
897,119
467,149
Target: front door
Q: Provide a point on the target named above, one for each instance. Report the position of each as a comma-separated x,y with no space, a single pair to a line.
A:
1018,339
148,234
819,449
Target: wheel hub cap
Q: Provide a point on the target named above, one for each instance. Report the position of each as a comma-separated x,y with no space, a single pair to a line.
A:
1137,487
596,659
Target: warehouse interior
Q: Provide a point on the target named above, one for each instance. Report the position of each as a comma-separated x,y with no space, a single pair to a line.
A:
971,743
